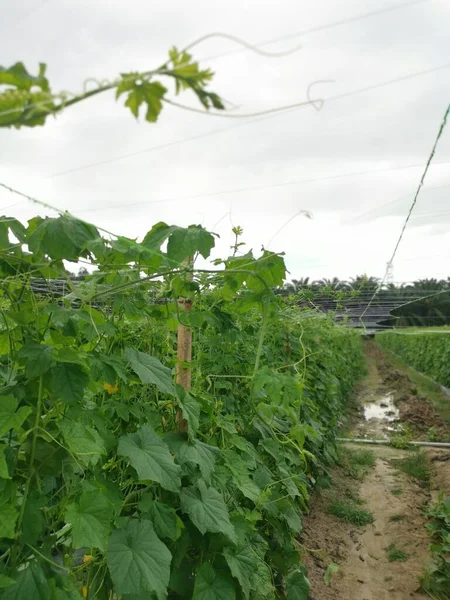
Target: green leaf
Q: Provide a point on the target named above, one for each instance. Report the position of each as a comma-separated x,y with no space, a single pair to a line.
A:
8,518
90,518
293,519
33,519
241,475
83,441
5,345
250,453
249,489
70,355
150,370
32,584
167,524
138,562
69,381
70,590
263,585
139,92
4,472
157,235
207,510
9,418
182,579
194,451
127,83
17,228
37,359
134,100
190,409
242,562
330,571
186,242
5,581
116,364
154,92
297,585
109,489
18,76
211,585
151,458
62,238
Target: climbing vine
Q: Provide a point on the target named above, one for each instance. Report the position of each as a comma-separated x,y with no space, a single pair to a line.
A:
27,100
101,495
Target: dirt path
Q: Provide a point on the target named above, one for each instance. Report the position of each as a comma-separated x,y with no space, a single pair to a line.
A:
384,559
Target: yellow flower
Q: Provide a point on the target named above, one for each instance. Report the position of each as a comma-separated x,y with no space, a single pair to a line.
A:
87,558
84,591
111,389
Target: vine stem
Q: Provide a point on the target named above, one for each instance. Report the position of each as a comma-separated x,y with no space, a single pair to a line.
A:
265,315
32,457
33,449
51,562
262,335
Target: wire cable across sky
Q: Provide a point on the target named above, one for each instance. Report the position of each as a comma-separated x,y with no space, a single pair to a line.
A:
159,147
324,27
413,204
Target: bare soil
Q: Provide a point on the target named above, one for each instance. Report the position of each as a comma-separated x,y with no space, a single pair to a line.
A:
365,571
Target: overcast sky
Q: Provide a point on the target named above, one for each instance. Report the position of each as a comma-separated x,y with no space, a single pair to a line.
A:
257,173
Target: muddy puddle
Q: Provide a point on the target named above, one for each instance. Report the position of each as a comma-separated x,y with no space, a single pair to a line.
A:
383,409
380,416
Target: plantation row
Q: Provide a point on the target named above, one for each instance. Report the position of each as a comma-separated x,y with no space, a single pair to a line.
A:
116,480
426,351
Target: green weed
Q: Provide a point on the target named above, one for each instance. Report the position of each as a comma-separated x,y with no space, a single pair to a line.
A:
397,491
416,466
402,438
433,435
357,463
395,554
395,518
348,512
330,572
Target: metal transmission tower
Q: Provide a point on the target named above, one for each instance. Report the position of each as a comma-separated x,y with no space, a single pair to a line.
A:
389,272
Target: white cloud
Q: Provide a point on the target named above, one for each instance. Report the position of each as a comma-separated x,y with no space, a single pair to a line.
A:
268,159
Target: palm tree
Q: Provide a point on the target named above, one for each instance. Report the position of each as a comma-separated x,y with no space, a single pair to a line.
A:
295,286
430,285
364,283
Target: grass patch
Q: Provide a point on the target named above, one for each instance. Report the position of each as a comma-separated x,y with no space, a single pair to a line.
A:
362,458
395,518
350,513
395,554
397,491
357,462
416,466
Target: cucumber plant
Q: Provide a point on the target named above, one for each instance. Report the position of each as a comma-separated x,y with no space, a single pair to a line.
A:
101,495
